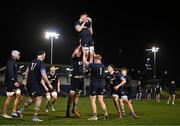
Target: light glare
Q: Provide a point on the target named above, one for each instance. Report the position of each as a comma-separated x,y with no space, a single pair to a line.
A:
51,34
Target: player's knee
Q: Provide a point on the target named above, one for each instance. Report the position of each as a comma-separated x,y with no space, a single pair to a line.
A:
48,97
54,94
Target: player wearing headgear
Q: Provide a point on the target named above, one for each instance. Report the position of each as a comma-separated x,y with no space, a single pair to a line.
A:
11,84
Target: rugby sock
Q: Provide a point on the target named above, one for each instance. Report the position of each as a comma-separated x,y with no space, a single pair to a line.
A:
37,108
94,114
69,101
47,104
4,110
26,104
132,112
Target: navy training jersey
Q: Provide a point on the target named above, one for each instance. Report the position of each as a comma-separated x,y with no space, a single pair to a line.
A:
84,33
35,69
97,74
53,79
11,72
77,66
115,79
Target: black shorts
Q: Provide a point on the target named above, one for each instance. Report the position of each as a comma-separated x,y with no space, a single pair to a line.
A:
172,92
96,91
35,89
9,86
76,84
87,42
121,93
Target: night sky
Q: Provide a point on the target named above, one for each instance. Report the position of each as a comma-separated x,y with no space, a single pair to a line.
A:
122,31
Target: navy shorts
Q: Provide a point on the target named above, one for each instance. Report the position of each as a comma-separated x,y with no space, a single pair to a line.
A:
76,84
35,89
94,91
9,86
87,42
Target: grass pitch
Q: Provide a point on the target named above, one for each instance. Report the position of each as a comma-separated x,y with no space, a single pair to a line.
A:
150,112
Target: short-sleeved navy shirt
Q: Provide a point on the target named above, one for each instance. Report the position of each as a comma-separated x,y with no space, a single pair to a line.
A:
114,80
53,79
35,69
85,35
97,74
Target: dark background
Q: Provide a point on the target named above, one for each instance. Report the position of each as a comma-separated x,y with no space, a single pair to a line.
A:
122,31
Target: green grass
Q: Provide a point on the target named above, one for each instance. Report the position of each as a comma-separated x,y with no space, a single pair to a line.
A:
149,111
